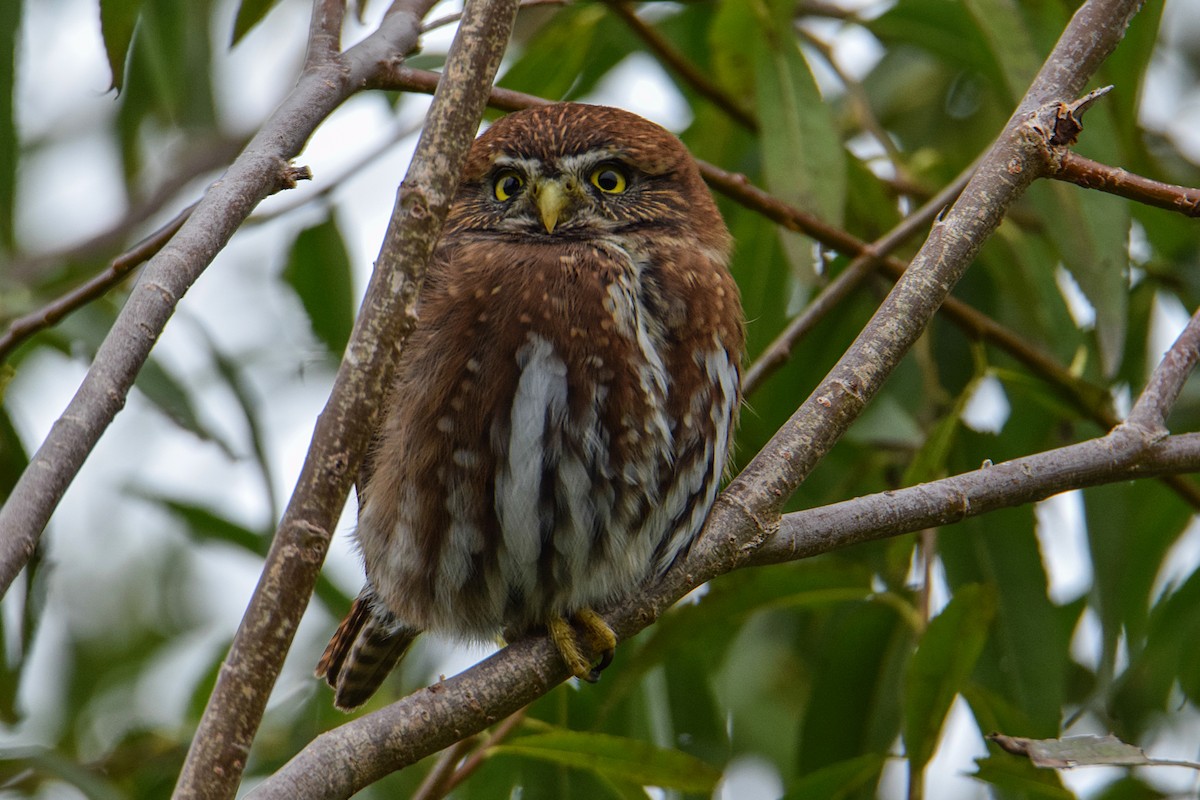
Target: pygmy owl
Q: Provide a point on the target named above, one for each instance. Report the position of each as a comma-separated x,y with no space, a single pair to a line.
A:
564,408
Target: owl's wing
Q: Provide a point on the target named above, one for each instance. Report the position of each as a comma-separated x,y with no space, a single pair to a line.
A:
434,275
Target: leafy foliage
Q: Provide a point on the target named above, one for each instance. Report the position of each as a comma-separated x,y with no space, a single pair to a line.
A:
825,671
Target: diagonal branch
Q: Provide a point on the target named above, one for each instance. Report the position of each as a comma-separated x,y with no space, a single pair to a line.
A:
1022,153
217,756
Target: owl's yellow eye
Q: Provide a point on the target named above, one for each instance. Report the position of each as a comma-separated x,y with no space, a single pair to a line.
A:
507,185
608,179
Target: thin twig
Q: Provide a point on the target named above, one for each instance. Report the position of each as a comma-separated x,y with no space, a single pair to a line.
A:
685,69
778,351
1074,168
434,786
476,759
27,325
196,160
861,105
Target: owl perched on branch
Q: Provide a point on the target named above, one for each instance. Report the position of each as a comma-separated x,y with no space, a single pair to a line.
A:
565,406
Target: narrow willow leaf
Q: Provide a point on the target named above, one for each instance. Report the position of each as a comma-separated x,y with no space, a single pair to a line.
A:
172,397
318,269
941,666
616,758
117,21
250,13
803,160
1018,778
551,64
1001,24
10,28
843,779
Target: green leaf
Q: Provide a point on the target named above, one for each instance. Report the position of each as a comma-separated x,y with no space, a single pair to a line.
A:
1125,566
118,18
570,53
43,761
1026,657
942,28
803,160
206,525
1001,24
1090,233
732,27
837,781
1019,778
854,702
616,758
318,269
171,397
941,666
250,13
10,31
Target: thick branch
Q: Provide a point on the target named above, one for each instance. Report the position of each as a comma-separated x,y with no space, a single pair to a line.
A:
218,754
991,487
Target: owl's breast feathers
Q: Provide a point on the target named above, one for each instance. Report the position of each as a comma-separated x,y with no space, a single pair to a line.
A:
554,435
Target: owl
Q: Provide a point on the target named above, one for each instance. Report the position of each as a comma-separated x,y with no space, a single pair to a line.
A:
565,405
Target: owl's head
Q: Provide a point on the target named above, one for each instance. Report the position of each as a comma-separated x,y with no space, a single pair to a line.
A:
570,170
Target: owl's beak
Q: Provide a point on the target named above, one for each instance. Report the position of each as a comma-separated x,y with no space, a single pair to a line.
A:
551,201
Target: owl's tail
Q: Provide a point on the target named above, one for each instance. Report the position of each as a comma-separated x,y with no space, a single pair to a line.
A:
363,651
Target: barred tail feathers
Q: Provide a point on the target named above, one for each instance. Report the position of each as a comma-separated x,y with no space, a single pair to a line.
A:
363,651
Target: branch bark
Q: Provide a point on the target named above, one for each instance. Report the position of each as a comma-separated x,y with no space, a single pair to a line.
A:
344,760
218,753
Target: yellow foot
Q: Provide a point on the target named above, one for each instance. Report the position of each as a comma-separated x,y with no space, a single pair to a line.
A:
600,639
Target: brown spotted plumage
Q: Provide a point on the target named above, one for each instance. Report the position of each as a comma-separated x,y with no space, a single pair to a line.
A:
565,406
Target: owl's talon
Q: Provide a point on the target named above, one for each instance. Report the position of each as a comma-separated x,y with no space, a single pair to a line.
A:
599,636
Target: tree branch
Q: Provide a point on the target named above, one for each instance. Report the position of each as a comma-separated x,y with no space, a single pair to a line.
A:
864,264
1023,152
217,756
25,326
365,749
1162,390
993,486
1074,168
685,69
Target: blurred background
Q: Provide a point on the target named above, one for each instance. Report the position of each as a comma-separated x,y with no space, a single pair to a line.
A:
1090,609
